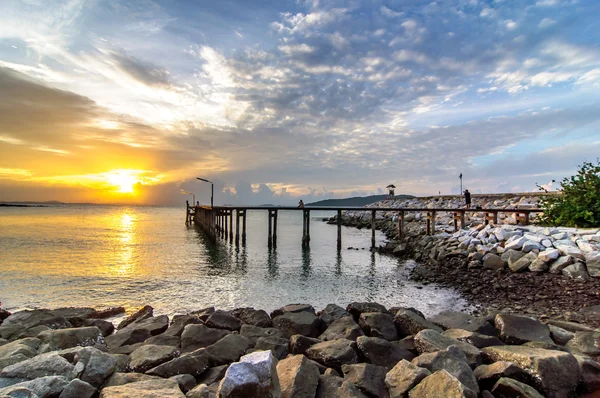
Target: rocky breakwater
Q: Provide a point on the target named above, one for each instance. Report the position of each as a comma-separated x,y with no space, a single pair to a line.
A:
363,350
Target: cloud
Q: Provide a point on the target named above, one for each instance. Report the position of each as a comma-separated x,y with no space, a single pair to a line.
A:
143,72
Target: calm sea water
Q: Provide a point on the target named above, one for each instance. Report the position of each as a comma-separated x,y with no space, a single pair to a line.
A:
72,255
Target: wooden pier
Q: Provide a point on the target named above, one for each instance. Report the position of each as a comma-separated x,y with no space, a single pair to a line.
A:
217,222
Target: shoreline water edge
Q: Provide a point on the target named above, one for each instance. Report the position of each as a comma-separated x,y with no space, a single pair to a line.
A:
363,350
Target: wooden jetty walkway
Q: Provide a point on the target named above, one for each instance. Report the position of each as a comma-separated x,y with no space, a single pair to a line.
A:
217,222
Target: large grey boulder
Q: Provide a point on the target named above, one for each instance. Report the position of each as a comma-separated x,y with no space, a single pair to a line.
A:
403,377
253,333
515,243
493,261
452,360
229,349
441,384
559,335
488,375
431,341
342,328
178,324
560,263
299,344
185,382
589,369
377,324
119,379
18,351
576,271
548,255
292,308
149,356
475,339
126,337
570,326
50,364
334,386
98,365
253,317
331,313
568,248
382,352
304,322
143,313
592,262
511,255
517,329
138,330
357,308
334,354
368,378
408,322
523,263
255,376
47,386
200,336
193,363
553,372
54,340
223,320
78,389
506,387
30,323
460,320
277,345
155,325
154,388
585,343
213,375
298,377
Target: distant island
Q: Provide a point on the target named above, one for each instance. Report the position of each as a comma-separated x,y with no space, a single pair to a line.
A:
358,201
19,205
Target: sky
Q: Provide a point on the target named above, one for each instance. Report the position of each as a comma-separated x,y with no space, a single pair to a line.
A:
275,100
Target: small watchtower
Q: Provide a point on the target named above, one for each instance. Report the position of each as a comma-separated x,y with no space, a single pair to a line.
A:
391,188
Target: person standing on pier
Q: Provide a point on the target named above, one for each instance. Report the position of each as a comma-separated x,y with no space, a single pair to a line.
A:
468,198
301,204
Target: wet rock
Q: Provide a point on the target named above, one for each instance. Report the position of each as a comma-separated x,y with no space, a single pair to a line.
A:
403,377
356,308
155,388
149,356
30,323
493,262
592,262
253,333
223,320
213,375
408,322
560,335
460,320
47,386
124,338
141,314
488,375
441,384
334,354
293,308
332,312
376,324
381,352
186,382
119,379
561,263
53,340
590,374
194,363
277,345
368,378
155,325
475,339
229,349
50,364
553,372
585,343
576,271
305,323
431,341
106,328
78,389
163,339
200,336
98,365
178,324
204,313
523,263
255,376
509,388
299,344
253,317
343,328
516,329
453,361
335,386
298,377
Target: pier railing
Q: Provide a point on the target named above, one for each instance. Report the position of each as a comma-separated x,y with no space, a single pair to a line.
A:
217,222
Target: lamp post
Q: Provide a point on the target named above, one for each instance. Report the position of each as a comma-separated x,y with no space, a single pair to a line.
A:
212,189
460,176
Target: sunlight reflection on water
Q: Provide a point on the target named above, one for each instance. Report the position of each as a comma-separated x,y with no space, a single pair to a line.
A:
131,256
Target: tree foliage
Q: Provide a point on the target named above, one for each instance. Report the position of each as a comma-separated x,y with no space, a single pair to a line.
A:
578,204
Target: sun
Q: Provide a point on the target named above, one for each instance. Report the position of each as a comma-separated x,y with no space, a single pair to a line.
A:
123,179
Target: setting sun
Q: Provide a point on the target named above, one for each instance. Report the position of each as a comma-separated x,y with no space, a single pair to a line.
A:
123,179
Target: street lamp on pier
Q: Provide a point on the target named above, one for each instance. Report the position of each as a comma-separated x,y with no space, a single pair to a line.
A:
212,189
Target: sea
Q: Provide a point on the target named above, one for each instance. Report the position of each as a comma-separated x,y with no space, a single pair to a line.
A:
102,256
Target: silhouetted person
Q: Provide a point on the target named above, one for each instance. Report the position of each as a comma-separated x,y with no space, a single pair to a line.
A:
301,204
468,198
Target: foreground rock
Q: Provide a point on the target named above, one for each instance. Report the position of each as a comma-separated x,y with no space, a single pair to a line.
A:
298,377
515,329
382,352
506,387
403,377
253,377
453,361
334,354
155,388
441,384
368,378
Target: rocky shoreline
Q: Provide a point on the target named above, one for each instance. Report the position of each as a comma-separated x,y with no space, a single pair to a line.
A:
363,350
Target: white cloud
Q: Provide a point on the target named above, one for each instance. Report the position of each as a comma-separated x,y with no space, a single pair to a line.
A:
390,13
510,24
546,3
546,22
487,12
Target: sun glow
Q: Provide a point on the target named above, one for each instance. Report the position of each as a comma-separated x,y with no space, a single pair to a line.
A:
123,179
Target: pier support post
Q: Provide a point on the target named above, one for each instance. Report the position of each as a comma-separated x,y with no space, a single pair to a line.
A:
305,227
373,215
274,228
226,217
237,227
401,224
244,214
270,220
230,225
187,212
430,222
339,230
459,216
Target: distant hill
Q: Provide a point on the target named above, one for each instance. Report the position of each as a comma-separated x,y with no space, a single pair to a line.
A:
358,201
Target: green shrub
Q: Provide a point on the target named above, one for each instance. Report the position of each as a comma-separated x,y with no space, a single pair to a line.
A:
578,204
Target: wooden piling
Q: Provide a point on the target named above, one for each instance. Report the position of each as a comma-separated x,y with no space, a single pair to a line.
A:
244,214
270,236
237,227
339,229
230,225
401,224
274,228
373,213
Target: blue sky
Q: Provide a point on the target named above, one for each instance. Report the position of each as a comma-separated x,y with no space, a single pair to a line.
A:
277,100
